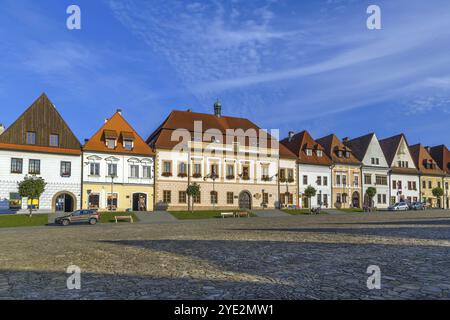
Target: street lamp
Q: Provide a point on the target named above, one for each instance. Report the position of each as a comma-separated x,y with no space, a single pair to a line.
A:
213,177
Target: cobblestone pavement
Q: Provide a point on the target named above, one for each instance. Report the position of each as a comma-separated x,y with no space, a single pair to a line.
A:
295,257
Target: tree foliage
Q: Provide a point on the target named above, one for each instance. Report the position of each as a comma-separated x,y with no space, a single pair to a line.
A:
31,188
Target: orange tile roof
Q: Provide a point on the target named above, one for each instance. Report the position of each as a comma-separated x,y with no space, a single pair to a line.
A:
122,129
421,156
34,148
332,144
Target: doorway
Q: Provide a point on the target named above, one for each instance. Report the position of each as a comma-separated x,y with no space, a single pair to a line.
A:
64,203
139,202
245,200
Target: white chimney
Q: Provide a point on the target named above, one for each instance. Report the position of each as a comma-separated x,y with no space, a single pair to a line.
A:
290,135
2,128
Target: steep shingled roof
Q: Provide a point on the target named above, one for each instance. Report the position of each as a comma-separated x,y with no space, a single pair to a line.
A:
420,155
302,141
162,136
441,155
360,145
117,127
332,144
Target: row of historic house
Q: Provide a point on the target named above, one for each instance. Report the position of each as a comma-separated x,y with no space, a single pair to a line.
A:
235,163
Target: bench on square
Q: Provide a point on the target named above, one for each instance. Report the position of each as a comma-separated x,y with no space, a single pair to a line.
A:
227,214
124,218
239,214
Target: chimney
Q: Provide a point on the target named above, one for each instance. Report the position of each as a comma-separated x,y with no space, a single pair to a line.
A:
106,120
291,135
217,108
346,139
2,128
119,111
86,140
428,148
189,110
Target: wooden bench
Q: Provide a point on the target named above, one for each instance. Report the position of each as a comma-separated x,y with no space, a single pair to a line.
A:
227,214
124,218
242,214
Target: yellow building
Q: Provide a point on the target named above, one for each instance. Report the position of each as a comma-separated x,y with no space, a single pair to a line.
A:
431,176
345,174
118,169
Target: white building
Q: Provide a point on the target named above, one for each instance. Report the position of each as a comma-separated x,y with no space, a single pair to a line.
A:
375,169
39,143
313,167
404,176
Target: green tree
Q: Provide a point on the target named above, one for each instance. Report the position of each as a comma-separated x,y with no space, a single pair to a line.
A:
371,192
309,193
192,190
31,188
438,193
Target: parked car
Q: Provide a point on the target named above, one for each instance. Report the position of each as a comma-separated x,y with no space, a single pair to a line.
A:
90,216
418,206
399,206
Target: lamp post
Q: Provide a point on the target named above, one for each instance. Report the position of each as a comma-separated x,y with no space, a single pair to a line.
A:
213,177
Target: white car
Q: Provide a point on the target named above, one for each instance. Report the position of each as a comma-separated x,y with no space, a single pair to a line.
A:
399,206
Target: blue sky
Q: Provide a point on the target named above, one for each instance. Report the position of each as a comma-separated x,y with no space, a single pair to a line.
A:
291,65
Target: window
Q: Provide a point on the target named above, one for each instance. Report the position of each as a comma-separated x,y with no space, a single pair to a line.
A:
110,143
377,161
309,152
230,171
134,171
167,168
214,170
66,168
214,197
379,198
94,169
197,170
282,175
368,179
399,185
344,179
182,169
338,198
290,198
34,166
394,184
128,144
290,175
112,201
319,181
167,196
94,201
245,172
439,184
319,199
325,181
410,185
54,140
319,153
372,160
384,199
381,180
305,180
112,169
430,185
265,172
181,196
15,201
347,154
356,180
16,165
339,153
424,184
338,179
196,198
146,172
31,137
325,200
230,198
265,198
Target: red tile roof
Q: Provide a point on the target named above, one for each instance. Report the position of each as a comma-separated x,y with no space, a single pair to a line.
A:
441,155
421,156
162,136
332,144
302,141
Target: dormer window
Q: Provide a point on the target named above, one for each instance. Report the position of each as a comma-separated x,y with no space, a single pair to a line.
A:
110,143
319,153
128,144
309,152
339,153
110,139
347,154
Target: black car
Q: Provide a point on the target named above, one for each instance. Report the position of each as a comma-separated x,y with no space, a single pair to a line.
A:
90,216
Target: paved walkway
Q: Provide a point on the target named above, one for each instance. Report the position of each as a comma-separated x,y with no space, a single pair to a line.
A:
295,257
155,217
270,213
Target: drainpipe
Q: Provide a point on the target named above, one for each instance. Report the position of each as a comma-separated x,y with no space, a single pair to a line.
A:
81,184
331,182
